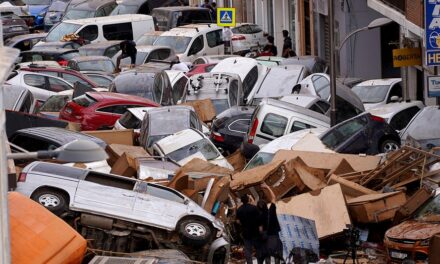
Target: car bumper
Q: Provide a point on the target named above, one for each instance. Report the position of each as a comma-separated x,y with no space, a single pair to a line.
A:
398,252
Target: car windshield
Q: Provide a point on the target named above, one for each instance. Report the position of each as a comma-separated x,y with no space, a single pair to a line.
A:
371,93
55,103
37,2
203,147
169,123
134,84
78,14
60,30
261,158
101,81
146,40
97,65
430,212
58,6
130,121
178,43
125,9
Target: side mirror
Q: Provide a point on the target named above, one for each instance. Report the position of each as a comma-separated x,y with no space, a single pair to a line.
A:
395,98
296,89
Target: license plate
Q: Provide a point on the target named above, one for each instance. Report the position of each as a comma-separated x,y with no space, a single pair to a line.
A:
15,29
398,255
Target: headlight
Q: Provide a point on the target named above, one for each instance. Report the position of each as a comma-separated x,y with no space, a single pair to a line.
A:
425,242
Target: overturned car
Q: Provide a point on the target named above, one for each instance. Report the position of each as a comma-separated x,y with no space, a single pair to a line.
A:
121,214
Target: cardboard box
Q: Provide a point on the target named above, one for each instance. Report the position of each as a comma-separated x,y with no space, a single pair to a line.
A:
204,108
124,137
237,161
350,188
375,208
412,204
125,166
115,151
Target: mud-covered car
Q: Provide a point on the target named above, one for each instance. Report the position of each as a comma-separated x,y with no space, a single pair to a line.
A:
410,239
123,214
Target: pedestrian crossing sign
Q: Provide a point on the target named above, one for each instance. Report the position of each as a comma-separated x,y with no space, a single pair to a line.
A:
226,17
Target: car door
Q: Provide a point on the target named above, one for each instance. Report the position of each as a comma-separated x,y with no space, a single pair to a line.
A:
214,42
58,85
400,120
98,192
38,86
197,48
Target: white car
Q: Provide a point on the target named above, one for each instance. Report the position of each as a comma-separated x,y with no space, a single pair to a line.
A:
314,103
42,86
188,144
247,36
397,114
192,41
379,91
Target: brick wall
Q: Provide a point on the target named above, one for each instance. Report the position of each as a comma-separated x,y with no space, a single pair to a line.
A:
414,12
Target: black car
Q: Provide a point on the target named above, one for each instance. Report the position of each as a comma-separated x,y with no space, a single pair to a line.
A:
364,133
89,9
230,127
24,42
62,56
48,138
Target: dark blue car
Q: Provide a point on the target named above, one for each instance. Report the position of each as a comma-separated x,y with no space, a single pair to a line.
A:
38,9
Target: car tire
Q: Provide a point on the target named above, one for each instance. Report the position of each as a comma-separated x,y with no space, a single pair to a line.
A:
389,145
53,200
195,232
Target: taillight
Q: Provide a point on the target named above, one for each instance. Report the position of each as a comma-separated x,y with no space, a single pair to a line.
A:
238,37
62,62
217,137
253,131
22,177
377,119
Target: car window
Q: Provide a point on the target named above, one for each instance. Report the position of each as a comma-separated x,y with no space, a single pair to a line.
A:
109,8
194,121
73,79
317,109
163,54
249,81
341,133
51,73
324,105
130,121
89,33
395,91
158,191
274,125
297,126
400,120
100,80
34,80
199,61
322,86
107,180
202,146
32,144
84,100
255,29
111,51
100,12
196,46
179,89
55,103
113,109
57,85
214,38
240,125
121,31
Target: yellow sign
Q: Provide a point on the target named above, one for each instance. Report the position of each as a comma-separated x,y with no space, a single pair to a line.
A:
407,57
226,17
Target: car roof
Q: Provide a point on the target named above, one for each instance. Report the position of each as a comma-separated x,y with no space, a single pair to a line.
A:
108,96
50,50
303,100
90,5
153,110
379,82
59,135
388,110
139,112
237,65
109,19
190,30
90,58
179,140
297,109
149,48
101,45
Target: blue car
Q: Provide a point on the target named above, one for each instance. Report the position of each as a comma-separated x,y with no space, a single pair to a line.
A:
38,9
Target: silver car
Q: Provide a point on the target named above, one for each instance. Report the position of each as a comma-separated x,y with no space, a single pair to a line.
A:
123,207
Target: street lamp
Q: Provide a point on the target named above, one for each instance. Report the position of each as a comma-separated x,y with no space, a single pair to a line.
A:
76,151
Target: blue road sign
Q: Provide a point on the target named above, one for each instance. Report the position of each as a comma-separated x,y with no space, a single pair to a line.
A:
432,32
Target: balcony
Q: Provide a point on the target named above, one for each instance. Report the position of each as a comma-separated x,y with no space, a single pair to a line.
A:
399,5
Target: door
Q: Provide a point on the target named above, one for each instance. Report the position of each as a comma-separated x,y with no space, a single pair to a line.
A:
197,48
352,137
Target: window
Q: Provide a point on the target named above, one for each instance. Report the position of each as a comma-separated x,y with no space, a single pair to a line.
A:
163,193
401,120
59,170
322,86
89,32
395,91
341,133
214,38
274,125
31,143
100,12
51,73
73,79
240,125
179,89
163,54
130,121
57,85
297,126
110,52
194,121
249,81
255,29
320,107
34,80
108,180
114,109
121,31
84,100
196,46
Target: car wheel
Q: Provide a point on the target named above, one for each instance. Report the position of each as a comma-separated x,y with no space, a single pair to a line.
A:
389,145
195,232
53,200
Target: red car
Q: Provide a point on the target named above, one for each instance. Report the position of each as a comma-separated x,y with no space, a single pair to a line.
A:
70,76
95,110
200,68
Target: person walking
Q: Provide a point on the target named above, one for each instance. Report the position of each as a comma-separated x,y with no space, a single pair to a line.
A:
287,46
270,49
128,49
214,11
273,245
227,38
249,219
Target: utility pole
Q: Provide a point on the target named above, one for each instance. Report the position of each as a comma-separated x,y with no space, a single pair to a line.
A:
332,64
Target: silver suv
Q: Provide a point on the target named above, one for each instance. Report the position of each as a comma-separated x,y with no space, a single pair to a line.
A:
123,214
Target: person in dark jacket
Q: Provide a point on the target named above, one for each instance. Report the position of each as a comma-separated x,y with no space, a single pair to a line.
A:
128,49
273,244
287,46
248,217
270,49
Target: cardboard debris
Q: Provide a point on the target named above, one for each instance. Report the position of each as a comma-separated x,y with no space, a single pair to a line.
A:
254,176
326,207
349,188
310,142
204,108
237,161
115,151
412,204
375,208
125,166
124,137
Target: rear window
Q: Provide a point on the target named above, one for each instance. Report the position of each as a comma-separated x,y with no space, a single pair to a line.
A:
343,132
84,100
129,121
59,170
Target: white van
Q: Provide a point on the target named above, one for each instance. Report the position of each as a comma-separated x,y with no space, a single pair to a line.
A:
121,27
192,41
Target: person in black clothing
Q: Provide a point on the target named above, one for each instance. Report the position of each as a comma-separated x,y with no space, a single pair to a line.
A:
128,49
287,46
273,244
248,217
270,47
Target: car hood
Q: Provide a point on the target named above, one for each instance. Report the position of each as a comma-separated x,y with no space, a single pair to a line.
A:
413,230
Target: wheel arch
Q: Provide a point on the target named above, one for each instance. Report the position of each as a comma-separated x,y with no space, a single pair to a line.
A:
387,137
47,187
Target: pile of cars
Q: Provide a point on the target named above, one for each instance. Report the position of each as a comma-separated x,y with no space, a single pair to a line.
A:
225,105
